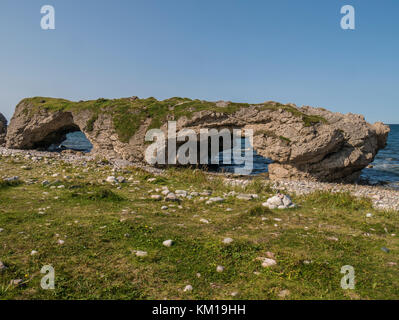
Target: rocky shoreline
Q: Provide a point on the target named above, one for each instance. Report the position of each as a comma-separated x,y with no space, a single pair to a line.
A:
383,198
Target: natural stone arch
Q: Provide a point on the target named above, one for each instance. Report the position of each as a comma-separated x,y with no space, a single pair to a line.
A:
304,143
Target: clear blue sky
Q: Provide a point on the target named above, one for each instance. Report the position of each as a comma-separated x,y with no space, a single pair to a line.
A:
239,50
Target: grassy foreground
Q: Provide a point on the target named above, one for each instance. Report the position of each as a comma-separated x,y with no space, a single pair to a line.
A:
103,224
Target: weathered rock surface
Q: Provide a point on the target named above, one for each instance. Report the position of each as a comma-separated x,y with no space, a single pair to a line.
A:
279,201
3,130
304,143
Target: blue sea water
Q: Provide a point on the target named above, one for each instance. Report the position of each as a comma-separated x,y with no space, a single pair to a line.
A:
75,141
386,163
385,166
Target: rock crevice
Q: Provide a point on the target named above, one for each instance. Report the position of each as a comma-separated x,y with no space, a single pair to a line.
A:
3,130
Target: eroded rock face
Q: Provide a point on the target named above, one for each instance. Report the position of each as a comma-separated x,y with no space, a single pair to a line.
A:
304,143
334,150
3,130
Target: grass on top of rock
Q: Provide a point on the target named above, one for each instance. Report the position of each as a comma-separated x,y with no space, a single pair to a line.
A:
103,225
129,114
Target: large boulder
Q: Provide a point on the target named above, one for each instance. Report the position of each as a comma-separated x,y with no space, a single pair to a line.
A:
310,143
3,130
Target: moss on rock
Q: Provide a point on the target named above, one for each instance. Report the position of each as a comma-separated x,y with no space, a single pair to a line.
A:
128,114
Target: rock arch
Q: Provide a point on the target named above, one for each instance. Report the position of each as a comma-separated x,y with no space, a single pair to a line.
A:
304,143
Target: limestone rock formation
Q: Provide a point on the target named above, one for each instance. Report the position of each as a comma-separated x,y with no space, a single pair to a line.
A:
3,130
304,143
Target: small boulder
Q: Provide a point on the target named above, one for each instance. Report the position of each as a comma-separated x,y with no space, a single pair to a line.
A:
279,201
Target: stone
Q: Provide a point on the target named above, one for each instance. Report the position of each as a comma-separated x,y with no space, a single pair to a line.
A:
156,197
227,240
164,208
60,242
332,238
386,250
111,179
12,179
369,215
171,197
215,199
244,197
286,201
276,201
204,220
168,243
141,253
284,293
33,252
181,193
188,288
16,282
219,269
267,262
121,179
279,201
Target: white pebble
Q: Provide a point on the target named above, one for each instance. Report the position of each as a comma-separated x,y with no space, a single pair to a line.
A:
268,262
141,253
227,240
167,243
219,269
188,288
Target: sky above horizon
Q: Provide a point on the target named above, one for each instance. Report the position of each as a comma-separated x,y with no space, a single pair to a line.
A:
238,50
